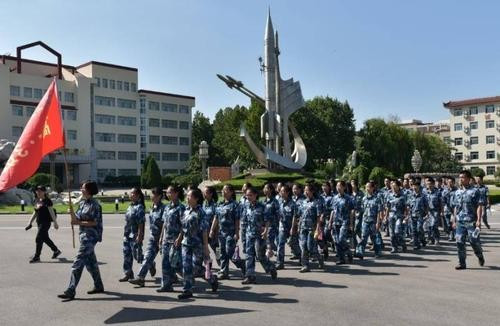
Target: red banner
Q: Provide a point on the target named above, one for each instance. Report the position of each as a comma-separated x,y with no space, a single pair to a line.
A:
42,135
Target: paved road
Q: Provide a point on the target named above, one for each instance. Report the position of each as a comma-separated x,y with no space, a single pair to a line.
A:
404,289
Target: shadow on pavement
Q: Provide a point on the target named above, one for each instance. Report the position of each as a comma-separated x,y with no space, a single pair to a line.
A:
130,314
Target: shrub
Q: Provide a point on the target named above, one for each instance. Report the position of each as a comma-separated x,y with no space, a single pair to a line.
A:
122,181
378,174
43,179
477,172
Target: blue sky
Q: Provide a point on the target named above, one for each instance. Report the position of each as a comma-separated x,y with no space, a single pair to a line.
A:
386,57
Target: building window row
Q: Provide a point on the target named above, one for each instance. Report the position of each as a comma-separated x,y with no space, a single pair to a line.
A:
168,107
170,124
37,93
474,155
473,110
170,172
17,131
127,121
116,84
129,156
490,139
474,125
20,111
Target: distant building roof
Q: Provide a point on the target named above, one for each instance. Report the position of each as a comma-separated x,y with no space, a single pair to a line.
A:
165,94
474,101
98,63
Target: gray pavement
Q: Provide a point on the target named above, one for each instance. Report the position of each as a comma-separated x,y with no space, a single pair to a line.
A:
405,289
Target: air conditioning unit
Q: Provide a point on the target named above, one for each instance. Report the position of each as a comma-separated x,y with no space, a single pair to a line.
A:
467,158
466,113
498,111
498,127
466,130
466,143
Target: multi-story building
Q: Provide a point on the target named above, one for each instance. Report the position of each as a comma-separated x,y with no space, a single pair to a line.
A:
440,128
475,130
110,124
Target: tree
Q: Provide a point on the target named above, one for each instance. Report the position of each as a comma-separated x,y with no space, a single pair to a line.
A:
436,154
202,130
327,127
477,172
151,176
378,174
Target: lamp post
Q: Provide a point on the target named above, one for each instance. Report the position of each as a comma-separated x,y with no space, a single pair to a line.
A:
416,161
203,157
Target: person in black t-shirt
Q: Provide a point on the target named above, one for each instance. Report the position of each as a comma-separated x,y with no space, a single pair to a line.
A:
44,214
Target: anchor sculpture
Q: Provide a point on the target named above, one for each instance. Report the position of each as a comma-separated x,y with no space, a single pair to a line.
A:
282,98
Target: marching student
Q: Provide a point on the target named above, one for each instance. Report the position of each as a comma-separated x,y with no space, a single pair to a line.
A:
397,213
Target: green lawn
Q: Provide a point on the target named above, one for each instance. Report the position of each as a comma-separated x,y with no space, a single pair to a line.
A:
61,208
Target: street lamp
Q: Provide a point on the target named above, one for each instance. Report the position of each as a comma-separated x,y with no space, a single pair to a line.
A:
203,157
416,161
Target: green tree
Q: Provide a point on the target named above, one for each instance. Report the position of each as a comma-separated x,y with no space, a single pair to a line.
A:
151,176
327,127
378,174
202,130
477,172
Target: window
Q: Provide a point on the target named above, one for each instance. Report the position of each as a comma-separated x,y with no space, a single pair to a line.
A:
133,87
155,155
490,139
112,83
126,138
184,141
15,91
490,170
154,139
473,110
474,140
37,93
183,125
490,124
28,92
169,124
127,121
154,106
446,139
489,109
106,101
98,81
105,119
126,86
71,134
457,113
106,155
103,173
154,123
69,97
17,131
169,171
169,107
184,109
473,125
169,156
458,126
70,114
459,156
490,154
129,156
168,140
105,82
119,85
183,157
29,111
127,172
105,137
17,110
127,104
474,155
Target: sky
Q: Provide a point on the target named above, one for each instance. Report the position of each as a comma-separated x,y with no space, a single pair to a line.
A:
385,57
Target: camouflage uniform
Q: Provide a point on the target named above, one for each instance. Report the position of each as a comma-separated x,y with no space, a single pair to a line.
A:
287,210
172,214
435,208
371,207
342,208
134,216
155,227
418,207
396,203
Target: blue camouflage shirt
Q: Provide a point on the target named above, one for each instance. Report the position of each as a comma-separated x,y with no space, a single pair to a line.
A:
342,207
327,205
156,220
358,202
256,216
449,200
172,221
194,223
209,210
418,205
396,203
272,208
309,212
227,213
134,216
434,199
467,200
90,210
287,210
484,193
371,206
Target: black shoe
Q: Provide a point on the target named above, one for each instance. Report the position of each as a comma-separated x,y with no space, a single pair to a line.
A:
325,253
66,295
126,277
249,280
394,250
304,269
215,284
295,258
424,244
152,270
165,289
280,266
222,276
405,249
459,267
95,291
349,259
359,256
416,248
34,259
487,225
433,241
243,269
481,260
321,263
56,254
137,281
340,262
274,273
185,295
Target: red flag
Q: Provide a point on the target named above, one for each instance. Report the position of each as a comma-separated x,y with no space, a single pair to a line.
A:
43,134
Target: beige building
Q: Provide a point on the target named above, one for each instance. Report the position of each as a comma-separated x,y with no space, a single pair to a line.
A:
111,125
440,128
475,130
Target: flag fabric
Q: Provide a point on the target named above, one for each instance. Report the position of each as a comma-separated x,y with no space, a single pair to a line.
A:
42,135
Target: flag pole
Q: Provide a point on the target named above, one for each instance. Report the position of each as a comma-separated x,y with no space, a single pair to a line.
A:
66,168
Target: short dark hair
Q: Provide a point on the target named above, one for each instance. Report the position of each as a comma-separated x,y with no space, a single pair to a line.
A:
196,192
466,173
213,192
430,179
91,187
231,189
157,191
178,190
